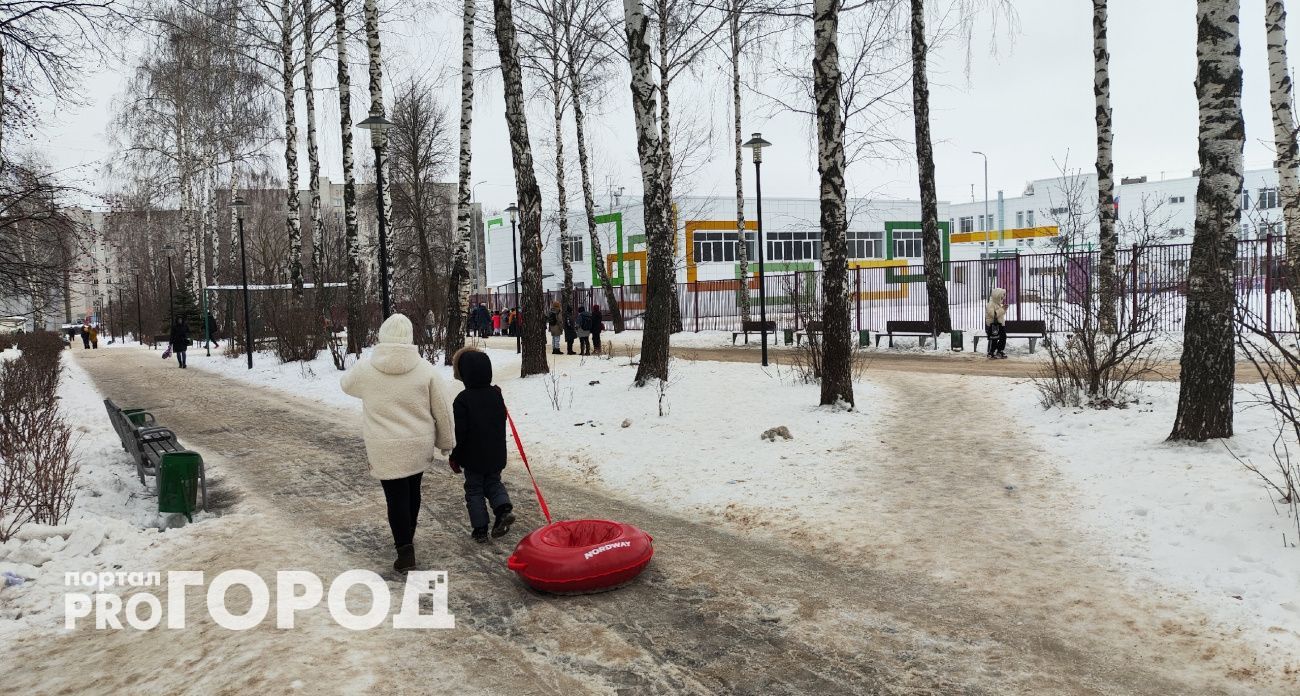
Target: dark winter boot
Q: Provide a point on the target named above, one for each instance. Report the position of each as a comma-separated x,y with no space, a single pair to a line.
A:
405,558
480,535
505,518
556,351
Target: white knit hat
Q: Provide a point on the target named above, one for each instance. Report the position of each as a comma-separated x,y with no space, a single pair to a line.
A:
396,329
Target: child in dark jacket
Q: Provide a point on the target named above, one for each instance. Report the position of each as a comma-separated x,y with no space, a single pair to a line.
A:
480,415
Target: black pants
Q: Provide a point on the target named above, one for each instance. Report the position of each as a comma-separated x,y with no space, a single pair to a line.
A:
480,487
595,340
584,344
403,496
997,338
180,357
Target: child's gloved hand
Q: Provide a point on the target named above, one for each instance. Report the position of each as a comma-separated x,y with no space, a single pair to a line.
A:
455,468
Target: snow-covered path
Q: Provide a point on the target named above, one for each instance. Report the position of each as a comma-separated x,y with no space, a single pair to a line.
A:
718,611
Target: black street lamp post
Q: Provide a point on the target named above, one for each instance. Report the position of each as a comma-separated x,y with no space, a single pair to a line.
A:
757,144
239,205
139,318
171,288
379,127
514,257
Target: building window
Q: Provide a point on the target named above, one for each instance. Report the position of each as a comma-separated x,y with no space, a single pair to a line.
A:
1267,199
794,246
907,244
1178,232
1245,200
866,245
1056,212
1029,218
967,224
1020,219
715,247
574,245
1175,200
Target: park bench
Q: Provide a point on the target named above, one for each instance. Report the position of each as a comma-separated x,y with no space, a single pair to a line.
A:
919,329
1032,329
147,442
747,327
813,330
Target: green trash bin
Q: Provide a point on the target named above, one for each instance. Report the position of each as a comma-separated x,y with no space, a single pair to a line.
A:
135,415
958,341
789,336
864,338
178,483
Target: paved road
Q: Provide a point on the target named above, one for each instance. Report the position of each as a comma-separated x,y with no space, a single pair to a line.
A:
716,613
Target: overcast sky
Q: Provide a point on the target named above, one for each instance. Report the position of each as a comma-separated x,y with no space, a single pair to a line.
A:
1029,107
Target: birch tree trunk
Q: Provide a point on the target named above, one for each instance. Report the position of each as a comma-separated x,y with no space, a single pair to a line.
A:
837,351
1284,138
1108,281
658,290
1208,364
379,140
529,195
588,197
233,259
666,162
562,199
932,244
458,282
313,154
293,224
356,298
742,247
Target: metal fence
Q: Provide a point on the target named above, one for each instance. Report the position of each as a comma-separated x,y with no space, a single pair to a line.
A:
1039,286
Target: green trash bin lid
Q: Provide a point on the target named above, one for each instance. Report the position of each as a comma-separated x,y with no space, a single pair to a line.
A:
178,483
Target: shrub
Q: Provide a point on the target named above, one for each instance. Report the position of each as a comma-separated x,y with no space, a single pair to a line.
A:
36,464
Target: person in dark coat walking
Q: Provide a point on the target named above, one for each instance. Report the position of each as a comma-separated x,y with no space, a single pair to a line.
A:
85,336
480,453
584,331
180,341
597,325
570,331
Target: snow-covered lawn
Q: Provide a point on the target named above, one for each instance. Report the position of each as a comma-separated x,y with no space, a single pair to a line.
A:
1186,517
113,526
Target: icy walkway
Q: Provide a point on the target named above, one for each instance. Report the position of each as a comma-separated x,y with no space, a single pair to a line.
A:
934,599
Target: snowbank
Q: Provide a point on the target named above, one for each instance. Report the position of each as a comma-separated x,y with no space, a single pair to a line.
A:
113,525
1187,517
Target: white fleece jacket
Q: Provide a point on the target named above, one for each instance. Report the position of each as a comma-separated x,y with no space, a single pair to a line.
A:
995,312
405,412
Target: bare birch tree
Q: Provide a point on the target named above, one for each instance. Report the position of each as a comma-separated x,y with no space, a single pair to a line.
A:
1108,239
837,353
529,195
356,297
1281,91
586,31
293,219
658,290
310,15
1208,361
458,282
378,140
931,244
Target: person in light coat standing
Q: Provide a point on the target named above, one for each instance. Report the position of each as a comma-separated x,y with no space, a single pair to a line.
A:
406,422
995,317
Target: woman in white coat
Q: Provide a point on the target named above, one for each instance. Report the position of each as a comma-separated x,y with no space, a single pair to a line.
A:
995,318
406,421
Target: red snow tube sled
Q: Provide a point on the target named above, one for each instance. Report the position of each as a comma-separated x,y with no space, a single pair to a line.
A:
581,556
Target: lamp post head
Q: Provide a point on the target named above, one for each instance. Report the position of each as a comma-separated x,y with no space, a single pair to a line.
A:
377,125
168,249
514,212
757,144
240,205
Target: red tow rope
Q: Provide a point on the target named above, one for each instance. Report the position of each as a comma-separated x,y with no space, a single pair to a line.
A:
519,444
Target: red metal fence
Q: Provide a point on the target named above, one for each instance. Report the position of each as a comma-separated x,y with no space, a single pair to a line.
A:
1039,286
